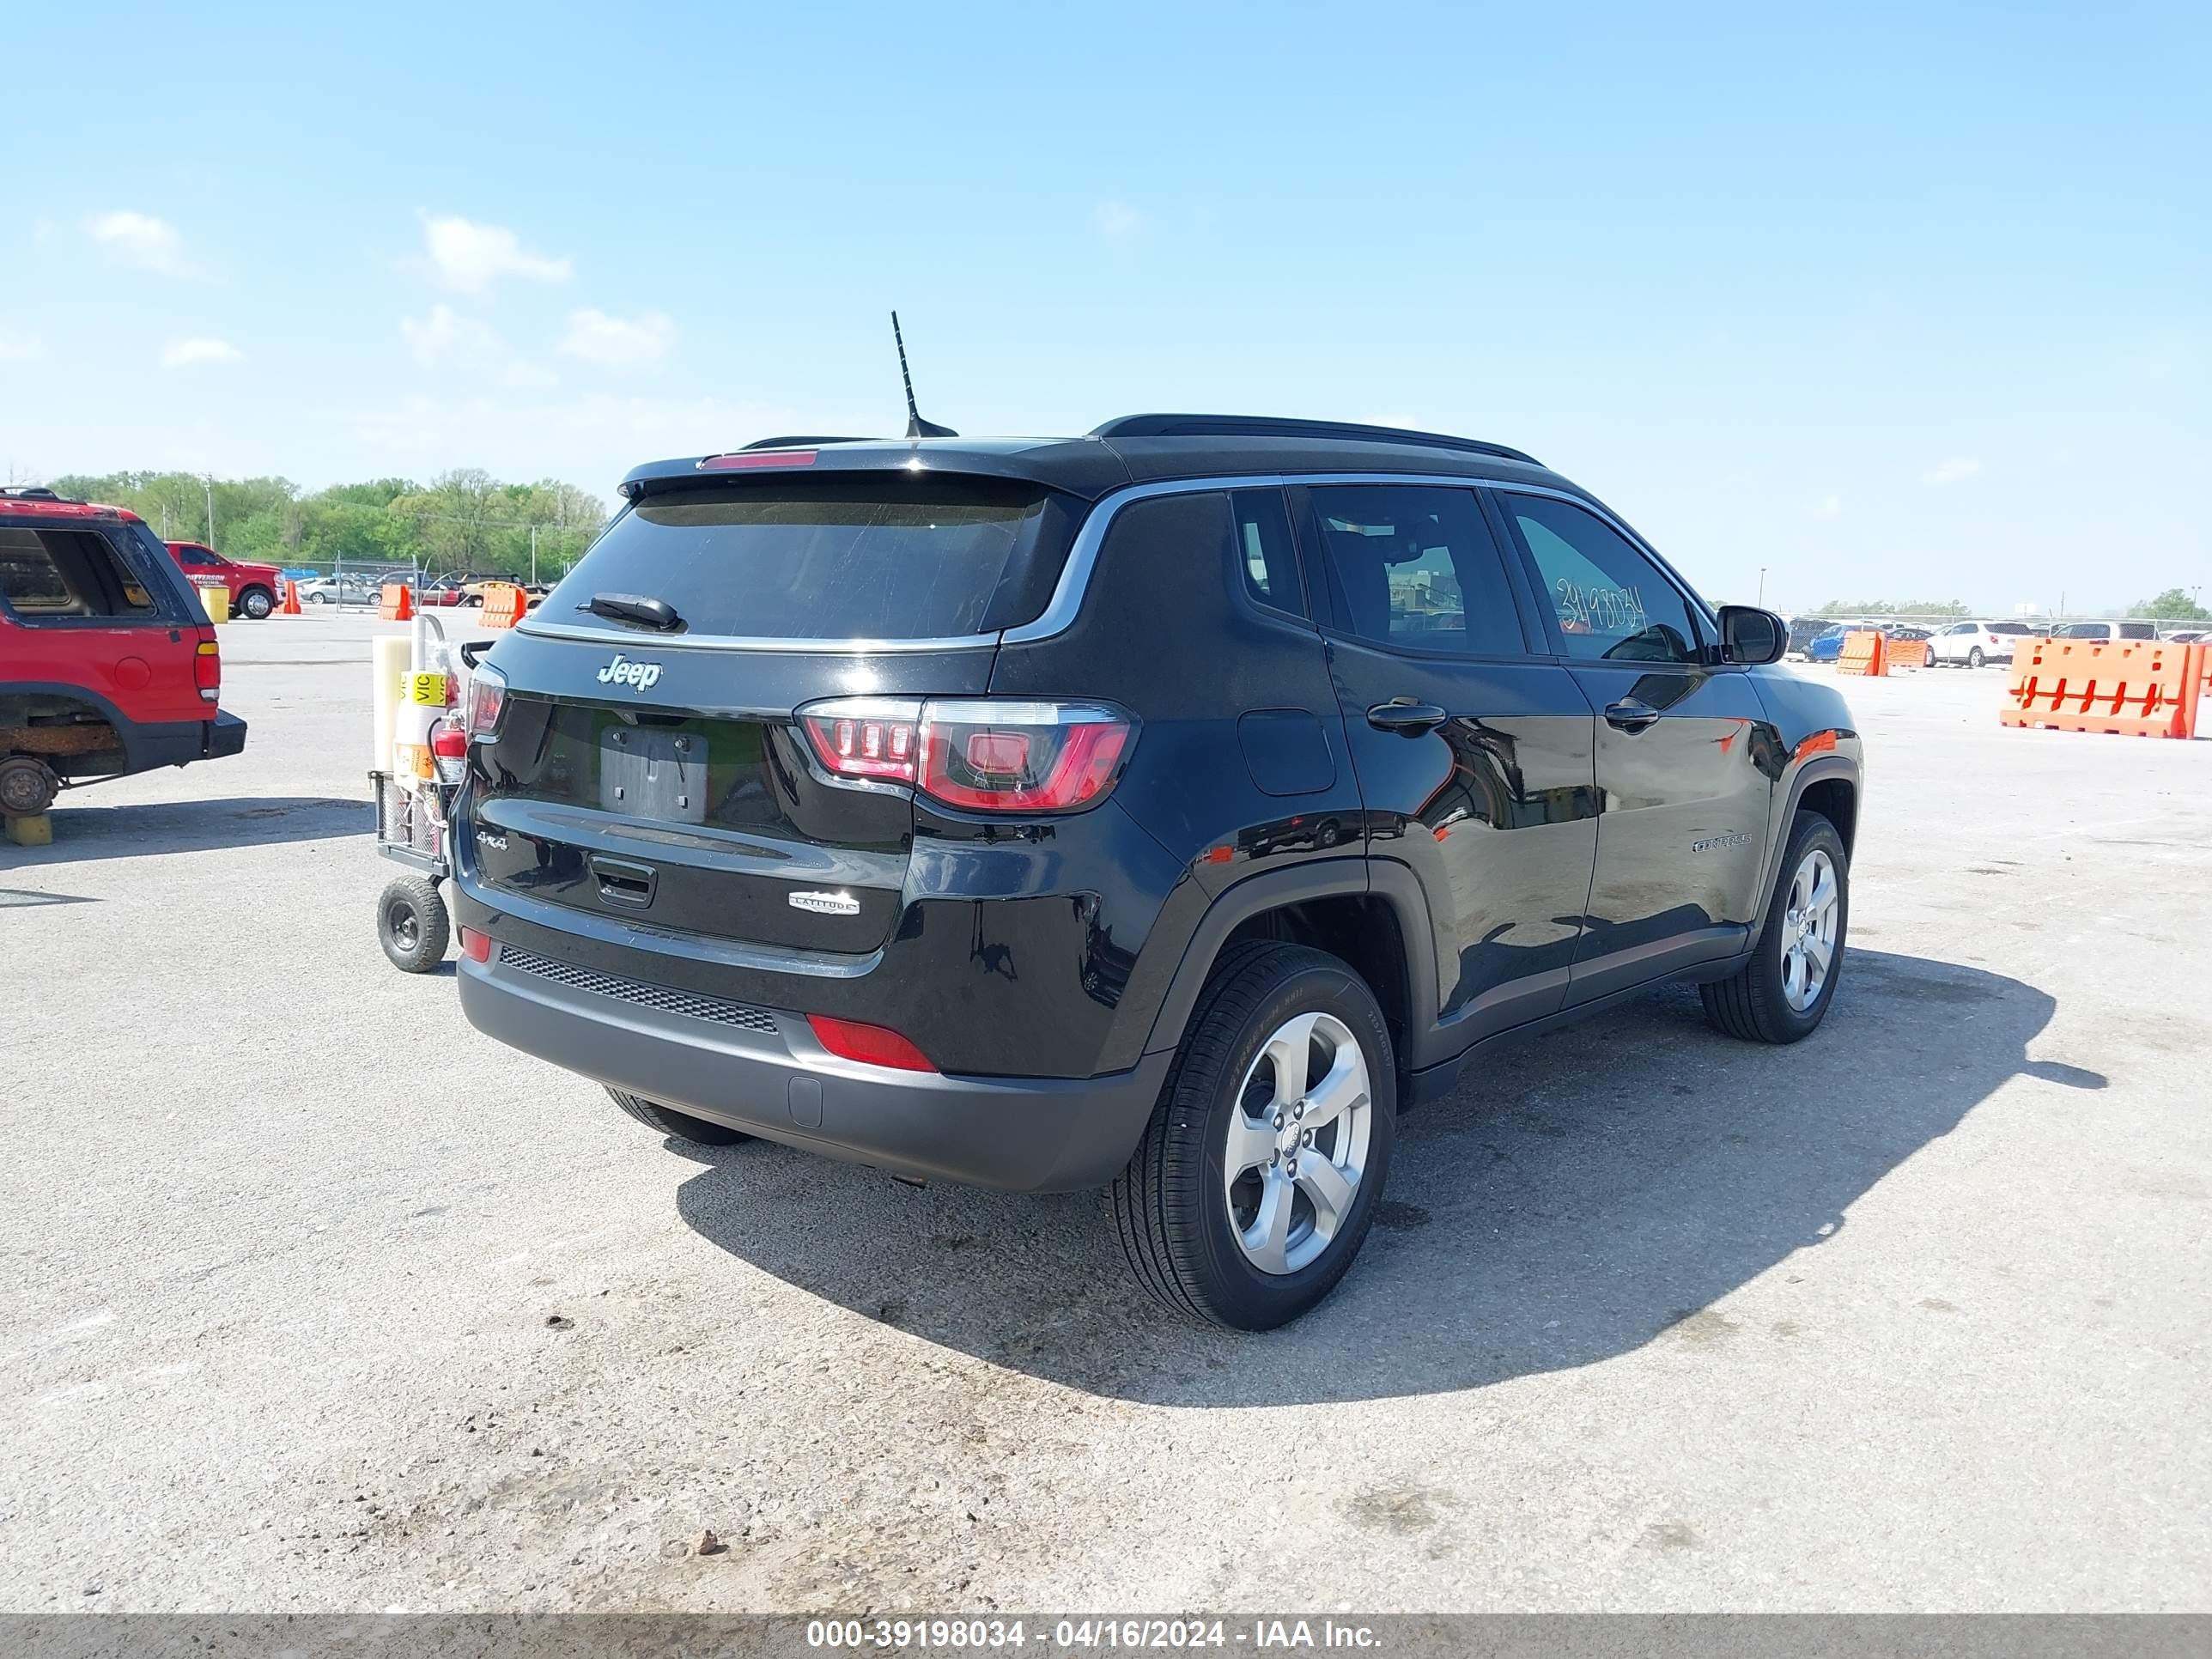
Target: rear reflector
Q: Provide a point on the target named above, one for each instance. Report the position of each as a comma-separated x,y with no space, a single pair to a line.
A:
476,946
871,1045
745,457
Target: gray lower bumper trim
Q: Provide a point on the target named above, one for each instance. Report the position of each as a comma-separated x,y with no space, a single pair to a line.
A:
1021,1134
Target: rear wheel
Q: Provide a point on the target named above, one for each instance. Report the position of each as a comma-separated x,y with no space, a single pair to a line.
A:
412,925
1257,1178
670,1122
256,603
1975,659
1783,994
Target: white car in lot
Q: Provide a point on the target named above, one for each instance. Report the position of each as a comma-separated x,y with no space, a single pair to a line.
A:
2109,632
1972,644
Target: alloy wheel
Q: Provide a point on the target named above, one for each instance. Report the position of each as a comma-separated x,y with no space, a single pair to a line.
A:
1297,1142
1809,930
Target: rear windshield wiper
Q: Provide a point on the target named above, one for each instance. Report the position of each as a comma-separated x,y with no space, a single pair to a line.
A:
635,608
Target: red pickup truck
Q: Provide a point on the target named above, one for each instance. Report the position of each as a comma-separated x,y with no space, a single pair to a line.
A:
253,587
107,664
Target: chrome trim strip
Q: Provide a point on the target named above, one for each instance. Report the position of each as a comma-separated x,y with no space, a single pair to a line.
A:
634,640
1075,577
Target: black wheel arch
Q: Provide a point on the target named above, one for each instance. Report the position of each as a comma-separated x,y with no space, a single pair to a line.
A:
1334,904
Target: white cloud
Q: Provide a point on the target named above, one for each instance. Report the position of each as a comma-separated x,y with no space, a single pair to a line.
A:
445,339
141,239
619,342
469,257
190,354
19,345
1953,471
1117,222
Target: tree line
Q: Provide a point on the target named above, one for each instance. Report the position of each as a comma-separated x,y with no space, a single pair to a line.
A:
2172,605
462,521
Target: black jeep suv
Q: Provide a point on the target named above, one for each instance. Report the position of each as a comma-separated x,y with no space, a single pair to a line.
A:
1168,809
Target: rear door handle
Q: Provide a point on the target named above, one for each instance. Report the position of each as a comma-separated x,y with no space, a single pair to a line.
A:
1631,714
622,882
1407,720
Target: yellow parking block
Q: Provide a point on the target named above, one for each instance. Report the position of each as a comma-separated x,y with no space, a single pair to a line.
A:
36,831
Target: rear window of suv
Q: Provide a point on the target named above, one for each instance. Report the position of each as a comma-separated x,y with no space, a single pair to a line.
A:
55,575
883,557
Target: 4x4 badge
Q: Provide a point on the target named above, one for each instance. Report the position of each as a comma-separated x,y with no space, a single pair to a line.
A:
827,904
621,672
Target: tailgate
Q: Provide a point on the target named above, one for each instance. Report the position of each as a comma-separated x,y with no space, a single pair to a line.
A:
694,803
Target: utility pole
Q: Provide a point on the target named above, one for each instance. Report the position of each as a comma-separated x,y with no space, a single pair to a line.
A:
210,495
1762,585
533,555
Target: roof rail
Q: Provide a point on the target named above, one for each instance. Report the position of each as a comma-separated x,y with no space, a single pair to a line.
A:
801,442
1268,426
31,493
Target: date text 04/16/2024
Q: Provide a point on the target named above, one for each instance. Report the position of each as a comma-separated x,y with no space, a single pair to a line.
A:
1084,1635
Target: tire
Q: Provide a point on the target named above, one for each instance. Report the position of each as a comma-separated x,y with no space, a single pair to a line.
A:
681,1125
318,598
256,603
1759,1003
1975,659
411,924
1178,1206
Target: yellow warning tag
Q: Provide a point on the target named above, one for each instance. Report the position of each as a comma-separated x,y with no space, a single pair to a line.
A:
426,689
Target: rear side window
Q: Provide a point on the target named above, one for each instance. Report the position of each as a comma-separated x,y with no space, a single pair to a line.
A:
65,576
1416,567
885,556
1265,551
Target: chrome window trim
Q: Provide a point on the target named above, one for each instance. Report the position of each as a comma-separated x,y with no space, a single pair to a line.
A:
634,638
1075,575
1068,592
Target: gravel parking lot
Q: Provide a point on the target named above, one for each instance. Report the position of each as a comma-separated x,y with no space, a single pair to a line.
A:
316,1299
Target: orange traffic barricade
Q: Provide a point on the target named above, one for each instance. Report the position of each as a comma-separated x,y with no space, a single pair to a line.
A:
396,602
1906,654
504,606
2134,688
1864,652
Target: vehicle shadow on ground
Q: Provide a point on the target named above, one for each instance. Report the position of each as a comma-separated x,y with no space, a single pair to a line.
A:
1579,1197
191,826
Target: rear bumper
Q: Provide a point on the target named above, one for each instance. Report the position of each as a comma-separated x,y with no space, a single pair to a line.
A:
226,735
768,1076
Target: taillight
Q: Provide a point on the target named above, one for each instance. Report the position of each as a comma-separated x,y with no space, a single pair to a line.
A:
207,670
487,697
873,1045
449,749
1020,757
476,946
981,754
866,737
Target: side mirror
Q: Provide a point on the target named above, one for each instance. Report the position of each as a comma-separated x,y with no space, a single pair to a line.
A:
1751,636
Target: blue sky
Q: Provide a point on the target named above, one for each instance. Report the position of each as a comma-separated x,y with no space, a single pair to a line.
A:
1910,303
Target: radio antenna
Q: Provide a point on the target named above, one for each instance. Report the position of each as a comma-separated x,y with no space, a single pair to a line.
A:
916,425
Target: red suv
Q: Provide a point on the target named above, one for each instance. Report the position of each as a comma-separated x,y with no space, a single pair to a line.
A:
107,664
253,587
